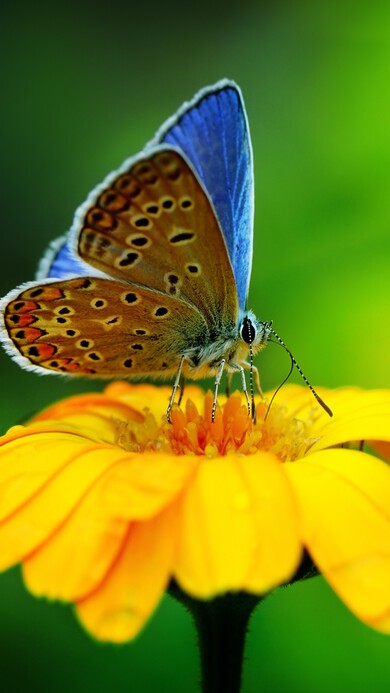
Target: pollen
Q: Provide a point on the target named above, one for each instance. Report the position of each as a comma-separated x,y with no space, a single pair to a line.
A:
191,432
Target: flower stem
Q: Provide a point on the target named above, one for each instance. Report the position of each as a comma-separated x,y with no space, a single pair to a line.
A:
221,625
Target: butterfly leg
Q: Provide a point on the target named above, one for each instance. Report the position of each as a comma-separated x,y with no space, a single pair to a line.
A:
229,377
175,387
216,387
241,370
255,370
181,387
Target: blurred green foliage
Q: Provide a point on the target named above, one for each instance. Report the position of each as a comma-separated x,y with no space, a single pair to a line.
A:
86,85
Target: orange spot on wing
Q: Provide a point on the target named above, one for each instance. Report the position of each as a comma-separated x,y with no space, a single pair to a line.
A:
31,334
67,365
46,351
18,321
73,366
25,320
51,293
21,306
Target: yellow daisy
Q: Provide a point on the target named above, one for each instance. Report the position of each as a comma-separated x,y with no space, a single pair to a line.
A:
105,504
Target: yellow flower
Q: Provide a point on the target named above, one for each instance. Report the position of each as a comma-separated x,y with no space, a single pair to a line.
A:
105,503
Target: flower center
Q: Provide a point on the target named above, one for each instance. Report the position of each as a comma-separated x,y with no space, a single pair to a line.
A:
232,432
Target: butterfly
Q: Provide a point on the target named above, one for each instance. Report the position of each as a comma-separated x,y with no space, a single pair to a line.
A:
152,278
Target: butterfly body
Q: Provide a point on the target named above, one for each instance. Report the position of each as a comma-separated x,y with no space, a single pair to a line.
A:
152,278
204,359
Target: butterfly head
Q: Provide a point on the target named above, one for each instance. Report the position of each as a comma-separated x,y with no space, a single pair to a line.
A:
254,332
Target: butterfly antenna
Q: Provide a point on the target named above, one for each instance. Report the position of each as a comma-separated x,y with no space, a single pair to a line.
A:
279,387
301,373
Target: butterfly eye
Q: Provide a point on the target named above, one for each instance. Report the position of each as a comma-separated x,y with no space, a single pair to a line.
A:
248,330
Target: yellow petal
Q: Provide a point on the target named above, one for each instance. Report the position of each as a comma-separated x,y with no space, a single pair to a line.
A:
92,415
88,425
368,418
344,496
101,405
279,548
120,606
237,527
298,400
357,414
27,463
74,560
347,399
146,484
76,468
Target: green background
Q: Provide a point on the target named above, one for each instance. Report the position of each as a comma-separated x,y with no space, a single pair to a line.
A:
83,87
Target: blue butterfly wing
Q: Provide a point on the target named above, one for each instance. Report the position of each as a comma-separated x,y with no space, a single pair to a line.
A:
212,130
59,261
